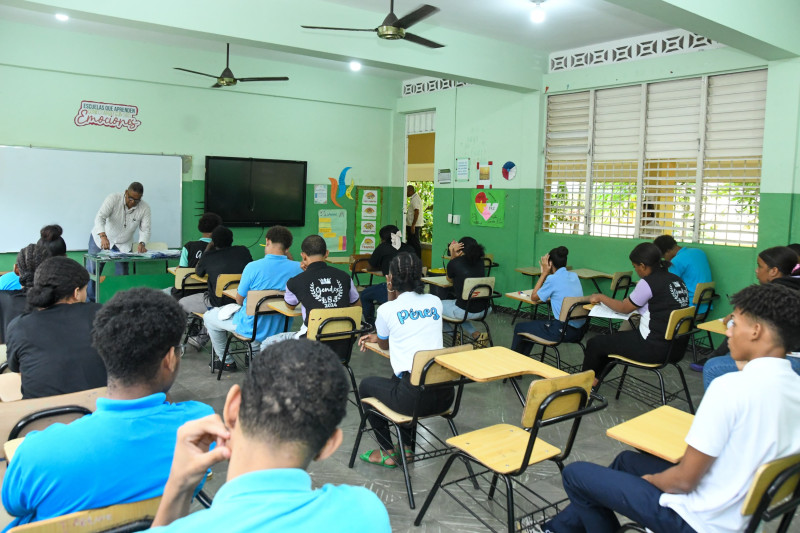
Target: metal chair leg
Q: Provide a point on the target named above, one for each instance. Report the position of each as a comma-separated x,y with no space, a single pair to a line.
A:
222,359
663,390
685,389
404,464
493,486
558,357
435,488
467,463
622,380
355,390
359,433
516,313
510,503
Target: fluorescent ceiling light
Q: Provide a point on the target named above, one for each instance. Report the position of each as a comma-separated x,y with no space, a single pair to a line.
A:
355,66
538,15
62,17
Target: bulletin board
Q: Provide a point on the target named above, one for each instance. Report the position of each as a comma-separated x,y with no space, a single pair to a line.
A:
369,201
333,228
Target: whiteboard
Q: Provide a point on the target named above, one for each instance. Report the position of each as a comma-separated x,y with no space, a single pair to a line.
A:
41,186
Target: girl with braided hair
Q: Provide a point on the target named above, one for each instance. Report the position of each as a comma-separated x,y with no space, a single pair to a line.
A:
51,344
408,322
50,238
13,301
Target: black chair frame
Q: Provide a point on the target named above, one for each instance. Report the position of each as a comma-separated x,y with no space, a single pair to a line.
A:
583,329
343,347
45,413
785,509
587,404
415,424
194,323
457,326
707,296
234,339
673,356
362,262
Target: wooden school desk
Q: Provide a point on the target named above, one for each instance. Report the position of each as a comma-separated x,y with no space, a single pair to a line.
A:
594,275
714,326
282,308
439,281
497,362
660,432
523,297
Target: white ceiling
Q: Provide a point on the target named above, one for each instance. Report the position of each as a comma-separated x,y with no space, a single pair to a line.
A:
569,23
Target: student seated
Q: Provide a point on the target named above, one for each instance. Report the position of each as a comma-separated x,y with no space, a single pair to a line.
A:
51,345
658,293
50,238
774,266
281,418
122,452
466,261
391,245
746,419
403,337
13,302
689,264
220,257
555,284
270,273
320,286
192,251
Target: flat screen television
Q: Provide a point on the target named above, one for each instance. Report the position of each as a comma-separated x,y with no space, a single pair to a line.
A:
256,192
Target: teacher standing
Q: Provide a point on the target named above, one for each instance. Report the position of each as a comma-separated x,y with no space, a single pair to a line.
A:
114,225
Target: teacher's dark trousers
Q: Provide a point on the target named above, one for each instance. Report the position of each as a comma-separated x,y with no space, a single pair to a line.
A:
412,238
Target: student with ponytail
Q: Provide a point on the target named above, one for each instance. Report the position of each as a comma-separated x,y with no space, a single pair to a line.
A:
50,238
409,322
51,344
656,295
13,301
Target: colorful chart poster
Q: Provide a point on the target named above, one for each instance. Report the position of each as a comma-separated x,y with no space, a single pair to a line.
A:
333,228
488,208
368,219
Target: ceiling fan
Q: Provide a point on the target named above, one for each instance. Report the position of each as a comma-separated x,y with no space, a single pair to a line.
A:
393,28
227,78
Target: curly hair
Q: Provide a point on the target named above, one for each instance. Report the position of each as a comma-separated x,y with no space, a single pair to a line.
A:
50,236
473,251
296,392
280,235
56,279
221,237
385,233
133,332
775,305
406,271
208,222
28,260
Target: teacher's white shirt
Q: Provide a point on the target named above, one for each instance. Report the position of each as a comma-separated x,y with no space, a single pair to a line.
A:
120,223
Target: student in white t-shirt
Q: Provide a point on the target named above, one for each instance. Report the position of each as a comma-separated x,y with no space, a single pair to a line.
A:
409,322
746,419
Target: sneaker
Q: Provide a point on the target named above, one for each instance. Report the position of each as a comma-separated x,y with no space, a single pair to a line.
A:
198,341
526,524
482,340
698,366
229,367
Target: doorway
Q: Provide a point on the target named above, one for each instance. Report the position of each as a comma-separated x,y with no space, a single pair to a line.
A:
419,166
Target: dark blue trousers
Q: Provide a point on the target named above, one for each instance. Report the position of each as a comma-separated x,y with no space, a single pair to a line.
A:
369,296
546,329
596,492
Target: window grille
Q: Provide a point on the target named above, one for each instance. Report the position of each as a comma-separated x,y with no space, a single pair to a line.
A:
680,157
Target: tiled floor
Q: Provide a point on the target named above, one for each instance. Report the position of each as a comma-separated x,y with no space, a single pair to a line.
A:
483,404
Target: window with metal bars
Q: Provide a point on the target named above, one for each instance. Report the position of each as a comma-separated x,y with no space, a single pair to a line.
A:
680,157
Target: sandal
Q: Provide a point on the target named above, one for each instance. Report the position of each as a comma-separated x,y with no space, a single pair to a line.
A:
365,457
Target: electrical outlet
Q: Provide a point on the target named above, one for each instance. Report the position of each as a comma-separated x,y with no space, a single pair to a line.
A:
456,219
450,217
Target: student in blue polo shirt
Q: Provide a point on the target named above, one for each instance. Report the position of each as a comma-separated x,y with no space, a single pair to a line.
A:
554,284
122,452
689,264
282,418
270,273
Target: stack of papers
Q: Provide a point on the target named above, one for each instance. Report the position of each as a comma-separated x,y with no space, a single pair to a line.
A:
603,311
